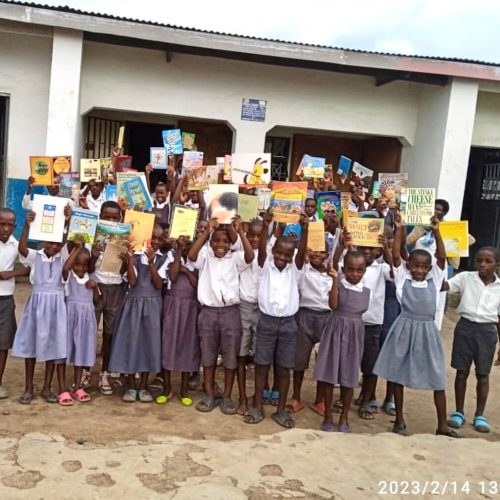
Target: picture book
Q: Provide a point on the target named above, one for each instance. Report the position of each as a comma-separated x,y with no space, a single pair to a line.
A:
328,201
60,165
213,174
251,169
121,178
158,158
365,232
172,140
361,176
111,259
142,228
111,192
117,233
122,163
137,194
69,185
248,207
344,166
264,194
41,170
226,167
293,230
107,169
288,200
83,223
90,169
188,139
312,167
197,178
345,201
419,207
375,190
223,202
191,159
455,236
184,221
316,236
394,187
49,221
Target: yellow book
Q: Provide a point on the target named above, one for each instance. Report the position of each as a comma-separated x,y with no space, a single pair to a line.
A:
142,228
184,221
364,231
248,207
41,170
316,236
455,236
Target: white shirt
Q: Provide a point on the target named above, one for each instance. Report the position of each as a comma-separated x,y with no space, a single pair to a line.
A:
401,274
278,290
105,278
314,288
30,261
479,302
8,257
375,277
94,204
218,281
27,202
248,281
332,240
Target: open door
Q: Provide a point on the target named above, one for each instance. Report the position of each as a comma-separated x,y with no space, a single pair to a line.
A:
4,111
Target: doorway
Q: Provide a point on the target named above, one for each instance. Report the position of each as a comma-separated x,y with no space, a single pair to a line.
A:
4,115
481,206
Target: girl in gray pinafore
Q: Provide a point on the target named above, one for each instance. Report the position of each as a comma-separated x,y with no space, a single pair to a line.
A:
136,345
412,354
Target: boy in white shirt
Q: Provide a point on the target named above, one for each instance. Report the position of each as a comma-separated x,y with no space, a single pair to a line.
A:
219,320
8,257
276,340
475,336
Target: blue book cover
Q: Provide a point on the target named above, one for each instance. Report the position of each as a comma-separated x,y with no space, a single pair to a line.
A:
83,223
172,140
328,201
137,194
293,228
313,167
111,192
344,166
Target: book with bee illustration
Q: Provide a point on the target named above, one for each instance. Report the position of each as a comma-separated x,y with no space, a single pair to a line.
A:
83,223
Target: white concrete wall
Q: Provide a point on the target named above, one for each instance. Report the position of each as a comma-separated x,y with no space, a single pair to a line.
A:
125,78
24,76
487,123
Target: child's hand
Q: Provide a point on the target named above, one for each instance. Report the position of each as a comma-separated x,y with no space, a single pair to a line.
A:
83,202
150,254
333,273
346,239
382,240
148,168
170,171
6,275
97,248
91,284
293,236
212,224
67,212
304,222
267,218
31,181
78,242
236,223
182,241
434,223
30,217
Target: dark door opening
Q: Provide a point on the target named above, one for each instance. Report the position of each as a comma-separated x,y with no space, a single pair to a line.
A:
4,111
279,147
481,206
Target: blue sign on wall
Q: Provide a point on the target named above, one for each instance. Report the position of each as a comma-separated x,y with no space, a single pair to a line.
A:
253,110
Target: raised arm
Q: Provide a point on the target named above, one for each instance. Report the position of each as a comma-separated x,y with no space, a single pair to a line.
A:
147,171
179,195
440,249
333,296
156,279
175,267
300,257
247,247
23,241
262,254
203,238
131,272
345,244
398,239
68,265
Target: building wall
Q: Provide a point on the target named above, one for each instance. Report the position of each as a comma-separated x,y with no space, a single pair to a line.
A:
125,78
486,125
25,61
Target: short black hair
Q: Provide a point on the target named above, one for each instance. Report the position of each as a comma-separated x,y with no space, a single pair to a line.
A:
495,251
9,211
164,225
353,254
110,204
219,230
161,184
286,240
84,251
312,199
419,252
444,204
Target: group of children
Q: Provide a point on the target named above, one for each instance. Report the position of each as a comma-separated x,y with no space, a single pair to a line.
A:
243,292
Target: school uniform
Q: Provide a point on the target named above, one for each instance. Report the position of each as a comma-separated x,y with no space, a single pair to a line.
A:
278,303
374,279
249,306
94,204
313,313
162,210
8,257
219,320
27,202
475,336
42,331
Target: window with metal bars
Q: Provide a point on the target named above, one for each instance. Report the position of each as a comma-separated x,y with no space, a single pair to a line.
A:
101,136
490,186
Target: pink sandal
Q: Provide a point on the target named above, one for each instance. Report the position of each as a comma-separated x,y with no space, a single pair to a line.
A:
65,399
81,395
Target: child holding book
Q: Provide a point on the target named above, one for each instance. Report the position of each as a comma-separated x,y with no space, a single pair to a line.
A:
476,333
412,354
180,339
82,294
136,346
219,320
279,276
8,257
42,332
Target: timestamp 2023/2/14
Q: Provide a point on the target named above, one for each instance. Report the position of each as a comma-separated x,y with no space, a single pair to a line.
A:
438,488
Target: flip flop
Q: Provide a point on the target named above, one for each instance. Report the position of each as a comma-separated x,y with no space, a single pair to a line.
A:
366,412
25,399
227,406
207,404
144,396
130,396
374,405
65,399
399,428
345,428
389,408
318,408
481,424
187,401
266,396
456,420
81,395
449,433
275,398
162,399
294,405
50,397
4,393
284,419
253,416
327,427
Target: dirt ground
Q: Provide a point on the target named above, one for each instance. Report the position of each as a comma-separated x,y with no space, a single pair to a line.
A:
107,420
